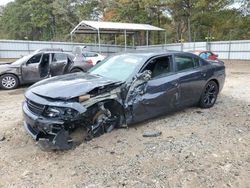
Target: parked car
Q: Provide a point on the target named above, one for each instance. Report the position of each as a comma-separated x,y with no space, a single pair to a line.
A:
39,65
205,54
123,89
82,52
93,56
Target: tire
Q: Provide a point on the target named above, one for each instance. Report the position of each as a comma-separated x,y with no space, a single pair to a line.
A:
209,95
104,120
9,81
74,70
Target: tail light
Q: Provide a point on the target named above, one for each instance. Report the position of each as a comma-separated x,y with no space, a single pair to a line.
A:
89,61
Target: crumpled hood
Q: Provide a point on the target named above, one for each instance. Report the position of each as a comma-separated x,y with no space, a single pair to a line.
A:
5,67
69,86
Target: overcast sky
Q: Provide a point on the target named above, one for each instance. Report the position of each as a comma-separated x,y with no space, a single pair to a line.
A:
4,2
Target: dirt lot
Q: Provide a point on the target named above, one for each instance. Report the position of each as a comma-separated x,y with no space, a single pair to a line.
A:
197,148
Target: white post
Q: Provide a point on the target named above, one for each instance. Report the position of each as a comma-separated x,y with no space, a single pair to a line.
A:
147,38
125,36
133,40
165,37
99,40
71,37
95,41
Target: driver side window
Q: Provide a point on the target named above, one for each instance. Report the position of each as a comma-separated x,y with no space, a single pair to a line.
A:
159,66
35,59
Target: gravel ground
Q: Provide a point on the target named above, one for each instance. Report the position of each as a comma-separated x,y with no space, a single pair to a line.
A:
197,147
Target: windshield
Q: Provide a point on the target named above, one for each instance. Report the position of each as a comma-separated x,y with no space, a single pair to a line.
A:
118,67
23,59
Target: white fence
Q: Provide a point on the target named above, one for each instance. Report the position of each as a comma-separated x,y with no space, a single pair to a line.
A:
225,49
19,48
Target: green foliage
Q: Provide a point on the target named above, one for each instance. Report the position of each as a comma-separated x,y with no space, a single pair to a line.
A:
186,20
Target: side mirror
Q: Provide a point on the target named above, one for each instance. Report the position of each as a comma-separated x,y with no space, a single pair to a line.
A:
145,76
216,55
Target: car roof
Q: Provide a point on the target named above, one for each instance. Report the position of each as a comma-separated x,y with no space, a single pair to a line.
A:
148,54
200,51
49,52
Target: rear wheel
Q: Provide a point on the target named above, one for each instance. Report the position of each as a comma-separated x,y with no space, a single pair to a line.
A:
76,70
209,95
9,81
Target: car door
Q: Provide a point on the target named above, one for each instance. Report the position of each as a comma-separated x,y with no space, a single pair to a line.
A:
44,66
58,64
159,94
191,78
30,69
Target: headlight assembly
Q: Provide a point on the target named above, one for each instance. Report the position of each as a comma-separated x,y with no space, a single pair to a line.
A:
54,112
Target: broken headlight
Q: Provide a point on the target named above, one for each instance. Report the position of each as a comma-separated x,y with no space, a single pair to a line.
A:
54,112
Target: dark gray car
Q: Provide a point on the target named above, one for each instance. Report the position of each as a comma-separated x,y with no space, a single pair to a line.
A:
121,90
37,66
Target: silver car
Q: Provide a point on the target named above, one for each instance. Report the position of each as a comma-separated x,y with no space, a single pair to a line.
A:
40,65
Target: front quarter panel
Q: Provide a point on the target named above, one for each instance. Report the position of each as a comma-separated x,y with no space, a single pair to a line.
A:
16,70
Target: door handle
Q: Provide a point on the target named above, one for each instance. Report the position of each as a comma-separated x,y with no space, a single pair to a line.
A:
174,84
204,74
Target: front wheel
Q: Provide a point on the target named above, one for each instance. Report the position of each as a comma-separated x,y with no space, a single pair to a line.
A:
209,95
104,120
9,81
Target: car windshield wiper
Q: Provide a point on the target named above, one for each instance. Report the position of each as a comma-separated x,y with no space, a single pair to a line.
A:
98,75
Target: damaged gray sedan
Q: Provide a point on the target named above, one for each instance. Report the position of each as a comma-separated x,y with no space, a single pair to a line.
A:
121,90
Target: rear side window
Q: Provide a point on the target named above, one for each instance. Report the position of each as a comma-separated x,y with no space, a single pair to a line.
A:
184,62
59,57
196,62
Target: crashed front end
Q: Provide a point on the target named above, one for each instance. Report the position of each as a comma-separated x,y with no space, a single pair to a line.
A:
50,122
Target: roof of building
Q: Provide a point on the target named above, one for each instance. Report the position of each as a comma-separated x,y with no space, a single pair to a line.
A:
91,27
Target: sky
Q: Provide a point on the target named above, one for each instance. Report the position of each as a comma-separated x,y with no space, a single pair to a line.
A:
4,2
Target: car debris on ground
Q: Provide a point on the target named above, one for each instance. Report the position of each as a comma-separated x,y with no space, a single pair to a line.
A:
152,133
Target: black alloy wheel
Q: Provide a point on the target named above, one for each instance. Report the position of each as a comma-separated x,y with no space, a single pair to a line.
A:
209,95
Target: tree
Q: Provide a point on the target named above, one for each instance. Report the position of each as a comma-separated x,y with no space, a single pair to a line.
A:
183,19
65,18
